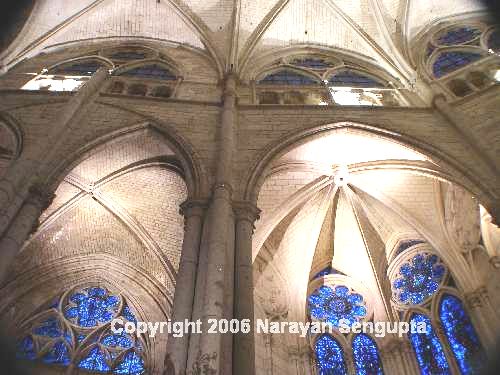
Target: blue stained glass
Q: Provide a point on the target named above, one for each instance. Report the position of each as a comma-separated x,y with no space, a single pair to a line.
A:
132,364
128,314
95,361
366,357
420,278
58,354
458,35
128,55
461,335
329,357
80,338
114,340
349,78
331,305
49,328
93,308
428,349
287,77
448,62
26,349
152,71
83,68
312,63
405,245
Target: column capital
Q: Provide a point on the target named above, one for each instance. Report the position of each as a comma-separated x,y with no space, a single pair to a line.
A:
193,207
476,298
40,196
495,261
246,211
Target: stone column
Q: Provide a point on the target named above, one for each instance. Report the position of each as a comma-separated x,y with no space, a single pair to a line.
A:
220,246
244,343
398,358
29,167
177,347
483,317
24,224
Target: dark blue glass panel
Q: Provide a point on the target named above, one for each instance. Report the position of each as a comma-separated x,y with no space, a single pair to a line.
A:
131,364
458,35
83,68
128,314
405,245
327,271
58,354
26,349
114,340
95,361
428,349
366,357
419,279
312,63
331,305
287,77
349,78
152,71
50,328
329,357
494,41
91,308
448,62
461,335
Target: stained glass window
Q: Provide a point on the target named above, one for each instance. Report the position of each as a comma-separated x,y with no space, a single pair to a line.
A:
329,357
312,63
418,279
405,245
349,78
80,68
152,71
450,61
458,35
428,349
331,306
494,41
287,77
461,335
77,326
128,55
366,356
327,271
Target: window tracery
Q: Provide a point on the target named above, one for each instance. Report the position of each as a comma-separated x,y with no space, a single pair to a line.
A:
418,279
461,335
76,330
366,356
332,305
330,356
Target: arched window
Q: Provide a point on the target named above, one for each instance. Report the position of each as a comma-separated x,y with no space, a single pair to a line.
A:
331,306
315,63
329,357
366,356
150,71
76,329
350,78
418,279
458,35
428,349
450,61
78,68
288,77
460,334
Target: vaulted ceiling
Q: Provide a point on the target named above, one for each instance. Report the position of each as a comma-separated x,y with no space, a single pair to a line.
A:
233,32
